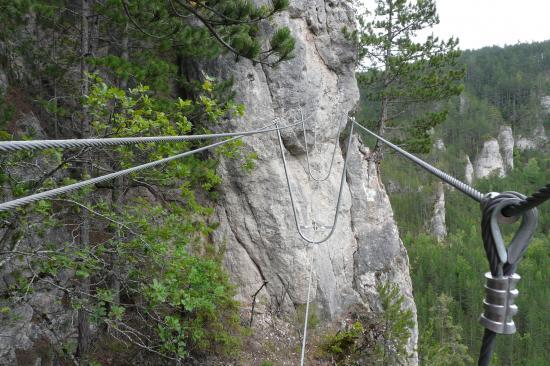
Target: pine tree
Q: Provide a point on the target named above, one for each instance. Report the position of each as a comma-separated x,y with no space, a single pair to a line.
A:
403,77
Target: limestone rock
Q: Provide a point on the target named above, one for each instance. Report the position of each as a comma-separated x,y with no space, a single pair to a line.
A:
380,254
463,104
537,139
3,82
257,226
489,160
437,222
439,145
469,171
545,103
506,142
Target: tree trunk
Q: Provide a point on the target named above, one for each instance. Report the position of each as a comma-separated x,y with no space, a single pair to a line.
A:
118,186
83,321
377,151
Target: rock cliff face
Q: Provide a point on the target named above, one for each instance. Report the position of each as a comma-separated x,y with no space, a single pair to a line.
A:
489,160
469,171
437,222
535,140
506,142
255,215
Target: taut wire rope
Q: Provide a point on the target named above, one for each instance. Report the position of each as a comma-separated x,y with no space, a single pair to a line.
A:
9,205
503,261
461,186
10,146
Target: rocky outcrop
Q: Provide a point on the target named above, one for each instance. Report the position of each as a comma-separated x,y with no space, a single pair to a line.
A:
489,160
437,222
545,103
463,104
256,223
536,140
439,145
506,142
469,171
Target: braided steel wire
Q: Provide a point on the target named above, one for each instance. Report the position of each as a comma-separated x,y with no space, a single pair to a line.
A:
528,203
304,337
461,186
10,205
10,146
342,180
336,139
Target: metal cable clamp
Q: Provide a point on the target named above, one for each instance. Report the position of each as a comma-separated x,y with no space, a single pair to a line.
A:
499,307
501,282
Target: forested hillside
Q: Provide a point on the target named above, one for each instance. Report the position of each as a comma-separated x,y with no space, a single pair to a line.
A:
503,87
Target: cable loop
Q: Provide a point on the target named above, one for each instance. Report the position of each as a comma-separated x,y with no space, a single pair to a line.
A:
336,139
294,210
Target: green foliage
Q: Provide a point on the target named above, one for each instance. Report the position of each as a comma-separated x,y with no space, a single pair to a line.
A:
441,340
512,79
369,338
224,25
503,86
6,114
312,321
403,79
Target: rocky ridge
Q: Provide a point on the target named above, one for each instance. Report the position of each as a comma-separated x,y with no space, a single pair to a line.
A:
255,214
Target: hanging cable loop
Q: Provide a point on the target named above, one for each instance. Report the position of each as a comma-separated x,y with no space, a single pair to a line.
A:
339,199
336,140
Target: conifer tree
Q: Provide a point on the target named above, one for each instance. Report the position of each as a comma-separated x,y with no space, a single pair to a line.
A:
403,76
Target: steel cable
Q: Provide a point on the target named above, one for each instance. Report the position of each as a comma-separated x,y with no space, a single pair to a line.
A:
304,338
57,191
294,211
528,203
461,186
336,140
10,146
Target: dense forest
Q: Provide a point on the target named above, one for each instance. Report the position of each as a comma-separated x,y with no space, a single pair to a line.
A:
503,86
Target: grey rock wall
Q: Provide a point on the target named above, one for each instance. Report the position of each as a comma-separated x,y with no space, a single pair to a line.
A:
437,222
256,223
469,171
489,160
506,142
535,139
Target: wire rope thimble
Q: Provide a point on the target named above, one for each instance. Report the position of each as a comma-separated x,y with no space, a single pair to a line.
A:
500,284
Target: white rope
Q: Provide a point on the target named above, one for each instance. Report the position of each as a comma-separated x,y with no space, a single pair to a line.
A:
304,338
